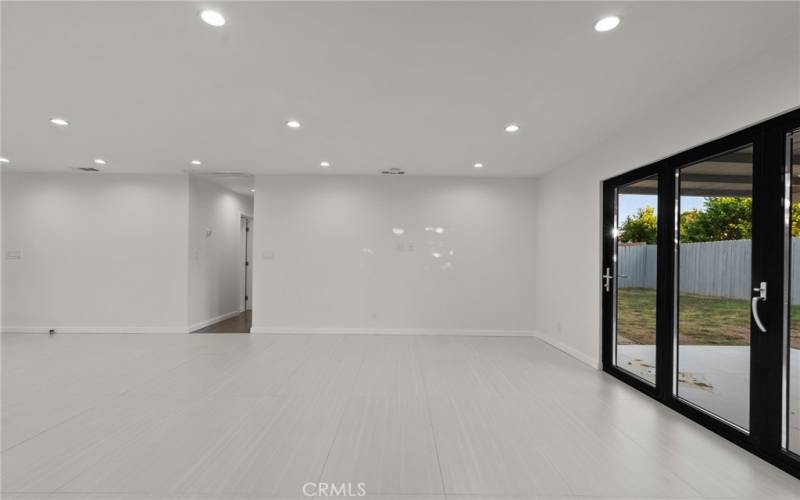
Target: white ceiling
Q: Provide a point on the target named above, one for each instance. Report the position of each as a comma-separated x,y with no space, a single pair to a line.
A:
239,182
427,87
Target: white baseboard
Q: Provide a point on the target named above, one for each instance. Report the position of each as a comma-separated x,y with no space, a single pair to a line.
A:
583,358
278,330
211,321
118,329
96,329
580,356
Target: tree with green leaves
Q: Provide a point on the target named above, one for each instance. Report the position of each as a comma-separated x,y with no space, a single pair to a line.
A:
722,218
795,220
640,228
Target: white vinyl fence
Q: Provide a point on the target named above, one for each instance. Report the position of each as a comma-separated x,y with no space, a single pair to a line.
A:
714,268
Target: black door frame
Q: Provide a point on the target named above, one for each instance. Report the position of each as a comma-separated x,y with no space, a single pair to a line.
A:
769,261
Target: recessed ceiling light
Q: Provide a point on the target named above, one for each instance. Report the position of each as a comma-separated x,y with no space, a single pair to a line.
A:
608,23
293,124
213,18
478,165
4,160
59,121
512,127
324,164
252,190
196,162
100,161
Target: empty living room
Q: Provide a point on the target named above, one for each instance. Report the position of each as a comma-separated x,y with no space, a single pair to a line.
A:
399,250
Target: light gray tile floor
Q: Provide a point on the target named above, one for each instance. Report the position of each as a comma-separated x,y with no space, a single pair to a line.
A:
258,416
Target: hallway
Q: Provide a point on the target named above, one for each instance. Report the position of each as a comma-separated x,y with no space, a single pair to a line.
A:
240,323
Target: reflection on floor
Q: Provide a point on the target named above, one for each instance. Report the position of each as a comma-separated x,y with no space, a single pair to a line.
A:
258,416
238,324
713,377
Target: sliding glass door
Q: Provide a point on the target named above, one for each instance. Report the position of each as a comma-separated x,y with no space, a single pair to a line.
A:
632,276
790,345
700,285
714,285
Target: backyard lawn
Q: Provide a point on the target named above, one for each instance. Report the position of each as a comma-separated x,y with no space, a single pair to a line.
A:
703,320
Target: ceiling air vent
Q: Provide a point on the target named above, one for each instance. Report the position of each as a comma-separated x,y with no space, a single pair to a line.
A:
393,171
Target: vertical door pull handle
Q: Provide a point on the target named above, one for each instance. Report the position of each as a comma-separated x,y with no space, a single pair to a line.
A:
761,297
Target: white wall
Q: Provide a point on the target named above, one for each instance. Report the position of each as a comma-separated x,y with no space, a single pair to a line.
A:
569,197
1,254
326,258
99,252
216,278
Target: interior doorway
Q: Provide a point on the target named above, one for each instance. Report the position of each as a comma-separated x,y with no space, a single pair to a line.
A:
243,321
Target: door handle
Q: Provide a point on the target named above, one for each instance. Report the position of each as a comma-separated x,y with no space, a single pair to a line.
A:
761,297
607,277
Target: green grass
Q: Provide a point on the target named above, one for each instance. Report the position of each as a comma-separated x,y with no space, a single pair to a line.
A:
702,320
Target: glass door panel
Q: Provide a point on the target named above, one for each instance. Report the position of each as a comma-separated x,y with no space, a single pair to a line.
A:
636,223
713,272
791,347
